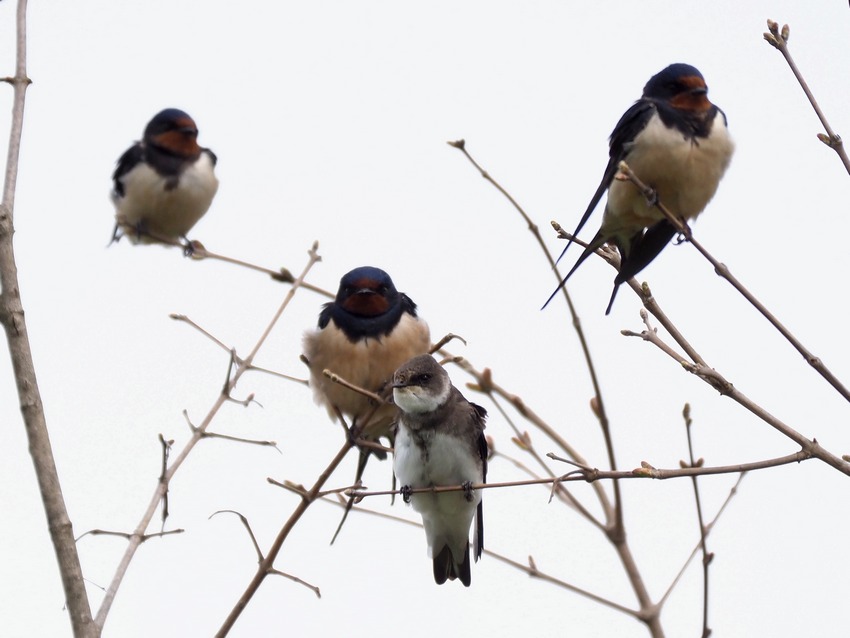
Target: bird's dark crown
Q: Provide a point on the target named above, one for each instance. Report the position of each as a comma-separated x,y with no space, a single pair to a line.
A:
682,85
174,132
367,304
421,371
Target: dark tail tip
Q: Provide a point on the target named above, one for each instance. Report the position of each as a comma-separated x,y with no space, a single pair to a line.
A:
446,569
611,301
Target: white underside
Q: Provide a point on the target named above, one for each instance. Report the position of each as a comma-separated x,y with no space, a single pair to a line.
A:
448,516
169,213
685,174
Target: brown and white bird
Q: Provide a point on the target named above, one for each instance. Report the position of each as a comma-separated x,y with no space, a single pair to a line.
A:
440,442
363,335
164,184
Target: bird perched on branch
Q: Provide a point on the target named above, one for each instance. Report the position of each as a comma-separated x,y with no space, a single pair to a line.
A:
676,141
363,335
164,184
440,442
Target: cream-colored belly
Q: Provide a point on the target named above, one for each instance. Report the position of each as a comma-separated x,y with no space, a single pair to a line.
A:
684,173
169,213
368,363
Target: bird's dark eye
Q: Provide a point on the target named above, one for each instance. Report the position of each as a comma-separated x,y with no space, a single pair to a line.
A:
383,289
424,378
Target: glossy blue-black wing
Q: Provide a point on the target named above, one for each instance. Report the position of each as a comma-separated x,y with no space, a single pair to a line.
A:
127,162
631,123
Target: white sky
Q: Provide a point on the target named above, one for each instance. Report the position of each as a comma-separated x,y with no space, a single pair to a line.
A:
330,121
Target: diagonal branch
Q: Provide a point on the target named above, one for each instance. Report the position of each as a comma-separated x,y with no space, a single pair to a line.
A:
613,515
717,381
724,272
779,40
266,565
242,366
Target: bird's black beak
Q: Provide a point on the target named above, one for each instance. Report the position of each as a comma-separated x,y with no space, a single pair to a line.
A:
700,90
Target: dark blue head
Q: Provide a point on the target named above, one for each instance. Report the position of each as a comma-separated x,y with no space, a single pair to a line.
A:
677,81
172,131
170,120
367,304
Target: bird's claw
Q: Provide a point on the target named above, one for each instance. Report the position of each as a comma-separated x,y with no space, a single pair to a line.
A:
405,493
188,246
651,197
468,492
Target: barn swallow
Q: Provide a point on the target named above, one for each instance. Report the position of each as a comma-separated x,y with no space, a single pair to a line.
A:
363,335
677,142
164,184
440,442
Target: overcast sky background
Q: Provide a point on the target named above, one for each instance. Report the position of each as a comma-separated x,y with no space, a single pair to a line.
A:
330,121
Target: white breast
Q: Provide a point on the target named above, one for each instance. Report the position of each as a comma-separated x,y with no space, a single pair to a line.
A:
684,172
446,516
168,212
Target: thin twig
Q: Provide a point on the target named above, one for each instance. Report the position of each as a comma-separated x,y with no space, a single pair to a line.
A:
129,535
724,272
266,565
13,319
779,40
612,514
706,556
242,367
530,568
717,381
247,526
645,471
354,388
696,549
523,440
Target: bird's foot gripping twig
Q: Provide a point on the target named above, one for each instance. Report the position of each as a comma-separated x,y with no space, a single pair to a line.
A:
468,492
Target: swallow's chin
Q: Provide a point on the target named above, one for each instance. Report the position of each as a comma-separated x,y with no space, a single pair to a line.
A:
416,401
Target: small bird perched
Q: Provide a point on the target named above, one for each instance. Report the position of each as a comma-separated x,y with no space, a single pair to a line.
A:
440,442
676,141
164,184
363,335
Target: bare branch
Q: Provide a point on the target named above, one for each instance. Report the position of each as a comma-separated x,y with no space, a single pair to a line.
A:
708,528
779,41
14,324
129,535
706,556
724,272
242,366
645,471
614,513
281,274
445,340
204,434
355,388
266,565
247,526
